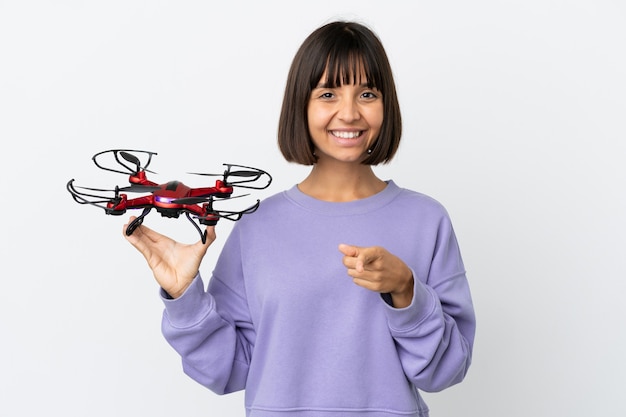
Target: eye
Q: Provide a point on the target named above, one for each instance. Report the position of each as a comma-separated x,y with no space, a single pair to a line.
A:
370,95
326,95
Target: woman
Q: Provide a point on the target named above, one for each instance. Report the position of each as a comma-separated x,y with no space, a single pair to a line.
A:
344,295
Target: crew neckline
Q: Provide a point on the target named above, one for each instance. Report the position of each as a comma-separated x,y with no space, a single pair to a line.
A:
359,206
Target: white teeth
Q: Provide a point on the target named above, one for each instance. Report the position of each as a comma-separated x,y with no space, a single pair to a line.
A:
347,135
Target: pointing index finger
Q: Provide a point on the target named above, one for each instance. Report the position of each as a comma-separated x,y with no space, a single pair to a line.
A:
348,250
361,255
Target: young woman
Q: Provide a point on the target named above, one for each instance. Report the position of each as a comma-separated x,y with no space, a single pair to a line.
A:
342,296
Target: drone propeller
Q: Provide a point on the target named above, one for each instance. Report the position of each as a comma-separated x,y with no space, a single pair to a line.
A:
122,157
116,189
249,175
131,158
244,174
139,188
203,199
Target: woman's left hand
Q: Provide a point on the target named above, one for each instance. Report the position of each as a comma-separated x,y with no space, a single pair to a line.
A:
376,269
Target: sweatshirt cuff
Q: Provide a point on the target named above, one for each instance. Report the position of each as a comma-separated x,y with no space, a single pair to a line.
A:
190,308
422,306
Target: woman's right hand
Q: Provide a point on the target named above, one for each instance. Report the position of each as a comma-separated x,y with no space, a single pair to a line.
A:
173,264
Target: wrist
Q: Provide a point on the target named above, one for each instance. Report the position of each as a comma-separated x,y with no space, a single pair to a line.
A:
178,290
404,297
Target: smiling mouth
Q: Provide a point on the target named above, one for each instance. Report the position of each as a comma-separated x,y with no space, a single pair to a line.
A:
346,135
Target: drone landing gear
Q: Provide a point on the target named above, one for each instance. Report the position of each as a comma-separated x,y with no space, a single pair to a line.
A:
137,222
132,226
202,234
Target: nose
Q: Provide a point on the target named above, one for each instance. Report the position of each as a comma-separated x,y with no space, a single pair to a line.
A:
348,110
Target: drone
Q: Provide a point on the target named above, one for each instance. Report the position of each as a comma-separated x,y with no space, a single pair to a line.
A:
172,198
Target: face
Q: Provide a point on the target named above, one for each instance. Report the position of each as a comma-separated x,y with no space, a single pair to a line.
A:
344,121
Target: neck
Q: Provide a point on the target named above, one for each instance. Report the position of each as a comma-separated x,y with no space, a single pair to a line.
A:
341,183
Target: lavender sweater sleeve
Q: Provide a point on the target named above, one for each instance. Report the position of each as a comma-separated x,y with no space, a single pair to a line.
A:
435,334
215,346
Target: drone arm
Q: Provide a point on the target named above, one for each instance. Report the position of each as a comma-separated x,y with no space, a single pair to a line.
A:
139,202
220,190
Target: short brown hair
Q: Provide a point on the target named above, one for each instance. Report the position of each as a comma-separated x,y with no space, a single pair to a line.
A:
344,48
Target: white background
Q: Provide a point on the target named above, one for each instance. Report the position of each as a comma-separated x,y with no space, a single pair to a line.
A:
514,117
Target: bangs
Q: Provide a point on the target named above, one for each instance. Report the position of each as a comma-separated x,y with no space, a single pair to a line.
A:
348,62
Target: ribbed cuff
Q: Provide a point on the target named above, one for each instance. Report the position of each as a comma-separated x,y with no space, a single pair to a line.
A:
421,307
190,308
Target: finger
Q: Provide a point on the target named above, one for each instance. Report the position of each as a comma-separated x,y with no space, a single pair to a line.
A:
131,227
144,239
130,220
357,257
350,258
367,284
210,235
200,247
366,257
360,265
349,250
142,233
139,241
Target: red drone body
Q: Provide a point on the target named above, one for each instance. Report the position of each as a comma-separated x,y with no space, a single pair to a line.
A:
172,198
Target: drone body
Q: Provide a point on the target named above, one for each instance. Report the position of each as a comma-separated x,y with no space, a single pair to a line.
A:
170,199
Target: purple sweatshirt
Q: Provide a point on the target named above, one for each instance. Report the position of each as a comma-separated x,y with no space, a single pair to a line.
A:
283,320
